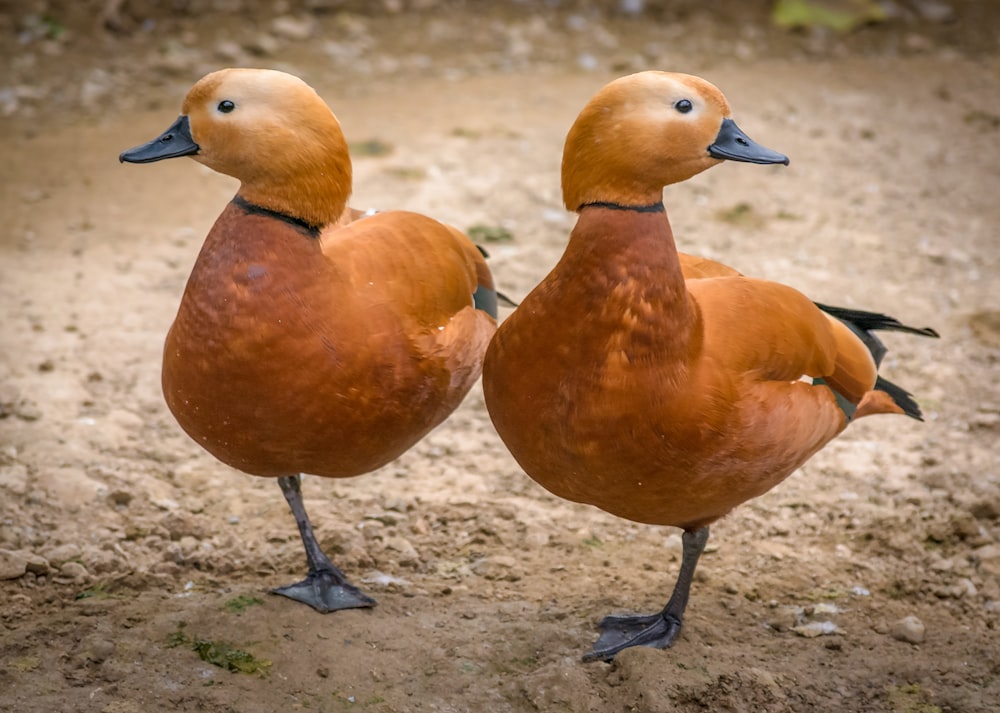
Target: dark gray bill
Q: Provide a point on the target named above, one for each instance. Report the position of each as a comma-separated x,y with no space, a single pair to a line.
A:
175,141
733,145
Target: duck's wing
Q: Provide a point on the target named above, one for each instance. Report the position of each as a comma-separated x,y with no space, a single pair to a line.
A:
699,268
765,331
426,276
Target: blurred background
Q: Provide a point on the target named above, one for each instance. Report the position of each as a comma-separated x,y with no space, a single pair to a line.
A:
76,55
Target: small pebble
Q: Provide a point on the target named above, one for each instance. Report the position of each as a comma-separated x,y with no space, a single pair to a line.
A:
264,45
73,571
909,629
228,51
36,564
407,554
498,567
101,650
816,628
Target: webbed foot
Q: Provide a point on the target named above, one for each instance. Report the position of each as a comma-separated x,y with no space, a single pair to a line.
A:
657,631
326,591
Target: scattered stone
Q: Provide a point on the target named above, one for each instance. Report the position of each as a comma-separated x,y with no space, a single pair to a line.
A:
918,43
99,560
813,629
73,572
498,567
177,60
100,650
407,554
120,498
968,587
122,707
909,629
372,529
563,684
385,518
587,62
989,559
9,103
985,510
96,88
985,327
63,553
264,45
783,619
294,28
985,421
36,564
420,527
181,524
228,51
71,487
382,579
631,7
934,11
537,537
14,478
12,565
965,526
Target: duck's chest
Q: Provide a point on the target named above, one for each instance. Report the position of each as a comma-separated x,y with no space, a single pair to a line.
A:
256,285
611,306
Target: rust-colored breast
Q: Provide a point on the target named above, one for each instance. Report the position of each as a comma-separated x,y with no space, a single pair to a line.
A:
289,354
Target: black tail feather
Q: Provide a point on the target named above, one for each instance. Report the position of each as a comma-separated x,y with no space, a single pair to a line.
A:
869,321
864,324
902,398
506,301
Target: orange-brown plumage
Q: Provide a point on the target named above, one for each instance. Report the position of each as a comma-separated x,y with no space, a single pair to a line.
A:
312,339
336,354
665,388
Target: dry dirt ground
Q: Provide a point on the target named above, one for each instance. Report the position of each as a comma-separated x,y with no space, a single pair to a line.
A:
123,545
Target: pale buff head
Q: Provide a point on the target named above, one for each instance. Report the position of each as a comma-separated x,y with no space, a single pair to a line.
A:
275,134
638,134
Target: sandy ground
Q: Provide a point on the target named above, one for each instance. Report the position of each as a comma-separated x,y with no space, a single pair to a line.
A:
122,544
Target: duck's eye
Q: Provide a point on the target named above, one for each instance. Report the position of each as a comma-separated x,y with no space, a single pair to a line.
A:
226,106
683,106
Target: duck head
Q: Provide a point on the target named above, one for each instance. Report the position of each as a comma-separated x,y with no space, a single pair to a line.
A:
648,130
272,132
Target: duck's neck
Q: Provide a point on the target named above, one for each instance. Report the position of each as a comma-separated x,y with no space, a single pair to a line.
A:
653,207
305,227
627,259
311,185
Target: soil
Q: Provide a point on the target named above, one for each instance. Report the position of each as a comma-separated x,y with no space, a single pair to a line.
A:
869,581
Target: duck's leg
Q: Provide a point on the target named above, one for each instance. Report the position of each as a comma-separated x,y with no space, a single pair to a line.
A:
655,630
325,588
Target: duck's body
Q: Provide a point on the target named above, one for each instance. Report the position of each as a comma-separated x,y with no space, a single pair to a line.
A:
655,397
329,353
311,339
660,387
